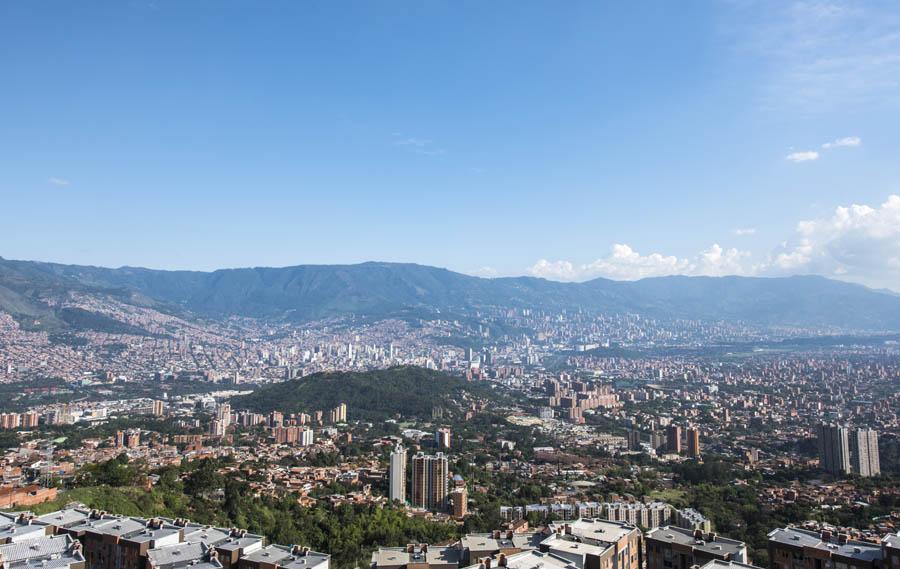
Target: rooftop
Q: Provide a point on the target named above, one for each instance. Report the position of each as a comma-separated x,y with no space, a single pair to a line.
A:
719,564
51,552
596,530
709,543
291,557
196,554
394,556
536,560
65,518
805,538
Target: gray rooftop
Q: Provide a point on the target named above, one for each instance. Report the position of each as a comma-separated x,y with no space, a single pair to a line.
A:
208,534
594,531
573,548
393,556
64,518
710,544
36,549
17,530
535,560
195,554
719,564
804,538
285,557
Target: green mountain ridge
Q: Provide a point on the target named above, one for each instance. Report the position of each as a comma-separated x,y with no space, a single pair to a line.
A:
376,290
407,391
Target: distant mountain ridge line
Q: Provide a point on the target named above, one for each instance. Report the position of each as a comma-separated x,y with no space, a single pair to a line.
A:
380,289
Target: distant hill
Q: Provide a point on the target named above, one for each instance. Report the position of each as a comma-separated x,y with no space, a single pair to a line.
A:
374,395
35,295
376,290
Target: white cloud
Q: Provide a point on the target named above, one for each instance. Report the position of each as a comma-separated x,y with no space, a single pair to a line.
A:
58,181
717,261
809,155
860,243
742,231
554,270
624,263
846,141
805,156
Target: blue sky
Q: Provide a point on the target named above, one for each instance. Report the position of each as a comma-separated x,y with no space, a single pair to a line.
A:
566,140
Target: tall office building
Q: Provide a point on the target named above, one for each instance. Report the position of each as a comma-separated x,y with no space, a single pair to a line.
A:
397,479
693,441
673,438
864,448
834,449
429,481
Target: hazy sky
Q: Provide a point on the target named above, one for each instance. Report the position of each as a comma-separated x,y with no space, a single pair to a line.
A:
561,139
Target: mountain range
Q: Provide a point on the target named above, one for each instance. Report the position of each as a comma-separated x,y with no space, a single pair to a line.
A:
34,291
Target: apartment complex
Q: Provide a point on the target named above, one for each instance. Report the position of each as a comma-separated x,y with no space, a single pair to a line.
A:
864,451
397,474
673,547
842,451
429,481
595,544
284,557
91,539
795,548
51,552
416,556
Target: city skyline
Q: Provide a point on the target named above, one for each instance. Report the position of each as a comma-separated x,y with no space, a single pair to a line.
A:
450,285
568,143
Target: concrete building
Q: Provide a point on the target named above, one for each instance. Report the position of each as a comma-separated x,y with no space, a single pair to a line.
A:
673,547
673,438
51,552
397,475
21,526
531,559
230,544
718,564
61,520
477,547
649,516
691,519
442,438
429,481
196,555
864,450
693,442
119,542
416,556
338,414
284,557
459,502
834,449
795,548
595,544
